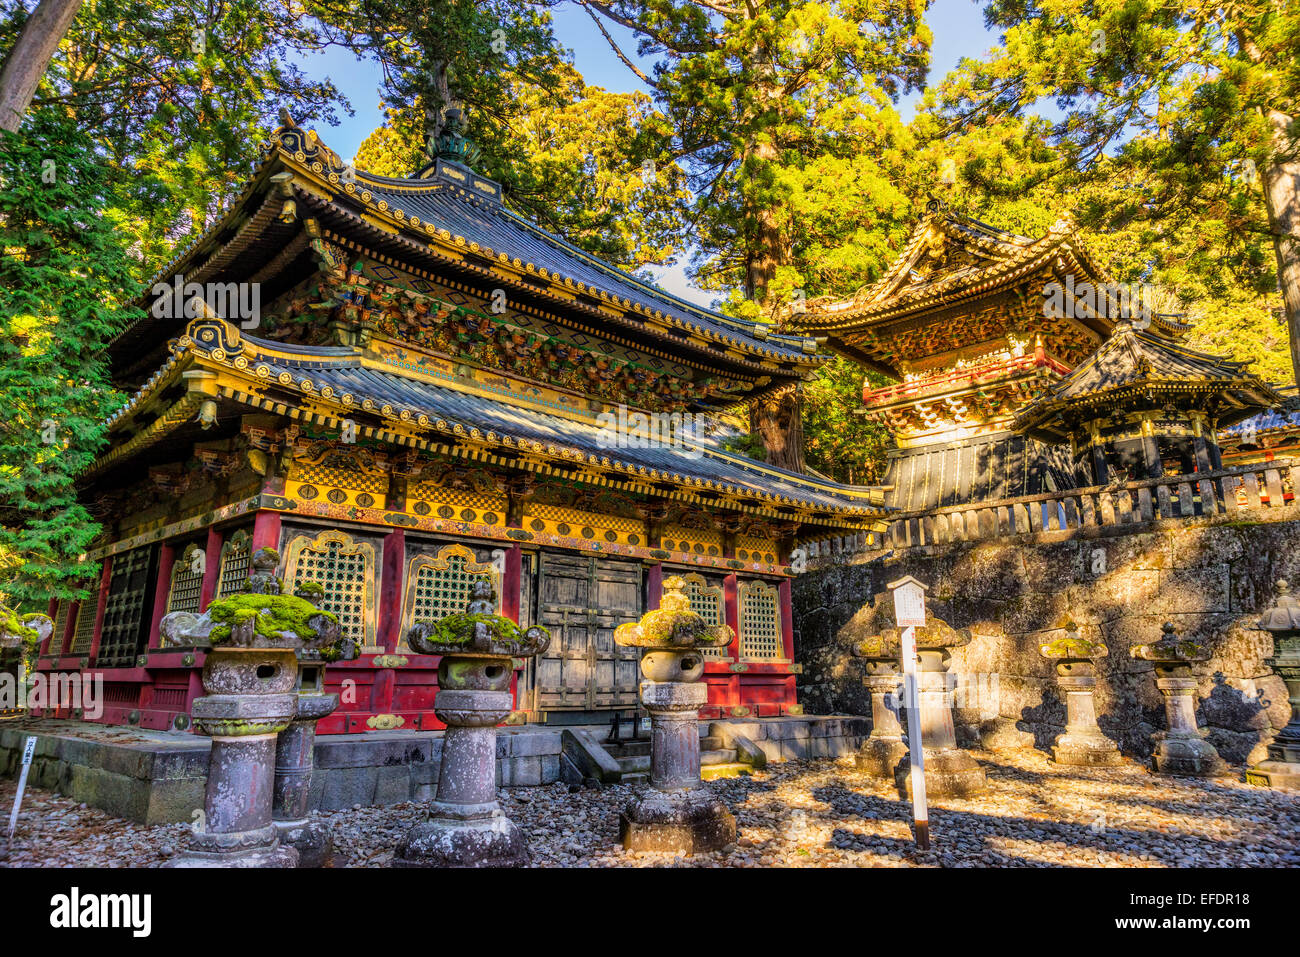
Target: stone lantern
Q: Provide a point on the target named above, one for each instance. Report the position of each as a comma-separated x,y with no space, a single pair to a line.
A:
295,750
1182,749
1282,768
949,771
466,826
18,634
249,677
883,751
677,813
1082,743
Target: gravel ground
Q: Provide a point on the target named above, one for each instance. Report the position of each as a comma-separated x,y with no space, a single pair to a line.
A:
800,814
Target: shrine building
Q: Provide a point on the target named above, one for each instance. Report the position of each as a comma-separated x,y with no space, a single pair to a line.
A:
403,386
1142,407
973,322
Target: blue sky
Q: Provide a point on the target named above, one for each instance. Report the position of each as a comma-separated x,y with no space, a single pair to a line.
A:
958,28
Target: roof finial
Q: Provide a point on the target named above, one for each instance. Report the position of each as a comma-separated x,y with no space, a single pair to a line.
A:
451,143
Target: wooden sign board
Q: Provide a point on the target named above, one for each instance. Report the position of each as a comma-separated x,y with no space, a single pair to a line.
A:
909,602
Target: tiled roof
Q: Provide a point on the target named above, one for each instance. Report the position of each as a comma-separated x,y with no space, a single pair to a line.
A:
487,222
1279,419
1131,358
349,376
350,384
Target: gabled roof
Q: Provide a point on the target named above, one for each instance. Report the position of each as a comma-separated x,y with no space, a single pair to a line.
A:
951,262
948,257
456,216
326,385
1143,370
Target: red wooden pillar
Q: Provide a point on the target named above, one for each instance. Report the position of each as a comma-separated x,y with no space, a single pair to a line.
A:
731,613
512,577
784,593
654,586
166,559
211,569
69,628
390,590
512,583
100,604
266,530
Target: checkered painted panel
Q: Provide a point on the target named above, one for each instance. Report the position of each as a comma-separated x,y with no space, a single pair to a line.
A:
124,612
443,591
706,601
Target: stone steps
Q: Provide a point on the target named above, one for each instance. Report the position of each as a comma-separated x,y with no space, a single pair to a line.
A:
639,764
730,769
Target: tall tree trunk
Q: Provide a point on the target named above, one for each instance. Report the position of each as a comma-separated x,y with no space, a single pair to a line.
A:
1282,200
777,418
764,253
26,62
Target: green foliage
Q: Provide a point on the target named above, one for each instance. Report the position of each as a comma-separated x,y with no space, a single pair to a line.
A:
65,280
780,113
1171,120
839,442
437,54
177,98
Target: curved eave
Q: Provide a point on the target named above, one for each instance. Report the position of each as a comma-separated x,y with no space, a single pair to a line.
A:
480,263
430,236
1046,415
414,428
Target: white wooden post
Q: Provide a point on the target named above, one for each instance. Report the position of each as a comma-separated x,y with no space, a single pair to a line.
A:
909,614
29,748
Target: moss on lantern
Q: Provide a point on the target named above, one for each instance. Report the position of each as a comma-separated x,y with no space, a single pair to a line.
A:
272,616
461,628
11,624
673,624
310,590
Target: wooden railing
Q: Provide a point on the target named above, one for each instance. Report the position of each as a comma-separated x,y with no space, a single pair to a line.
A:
1266,485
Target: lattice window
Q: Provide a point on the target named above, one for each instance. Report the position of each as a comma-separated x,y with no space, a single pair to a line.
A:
707,602
236,552
187,580
439,585
760,622
346,571
125,612
84,627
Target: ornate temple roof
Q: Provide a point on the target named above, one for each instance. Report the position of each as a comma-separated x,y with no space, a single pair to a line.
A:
452,219
407,404
949,261
1137,369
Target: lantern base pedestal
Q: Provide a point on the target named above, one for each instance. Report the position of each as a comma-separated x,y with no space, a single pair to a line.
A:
274,856
1186,756
1275,774
1085,750
311,839
948,773
880,757
690,821
490,840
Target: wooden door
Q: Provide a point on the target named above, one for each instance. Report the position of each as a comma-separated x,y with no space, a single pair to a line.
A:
582,600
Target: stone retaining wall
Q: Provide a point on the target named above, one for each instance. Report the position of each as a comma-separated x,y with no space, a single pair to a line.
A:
1210,577
157,777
